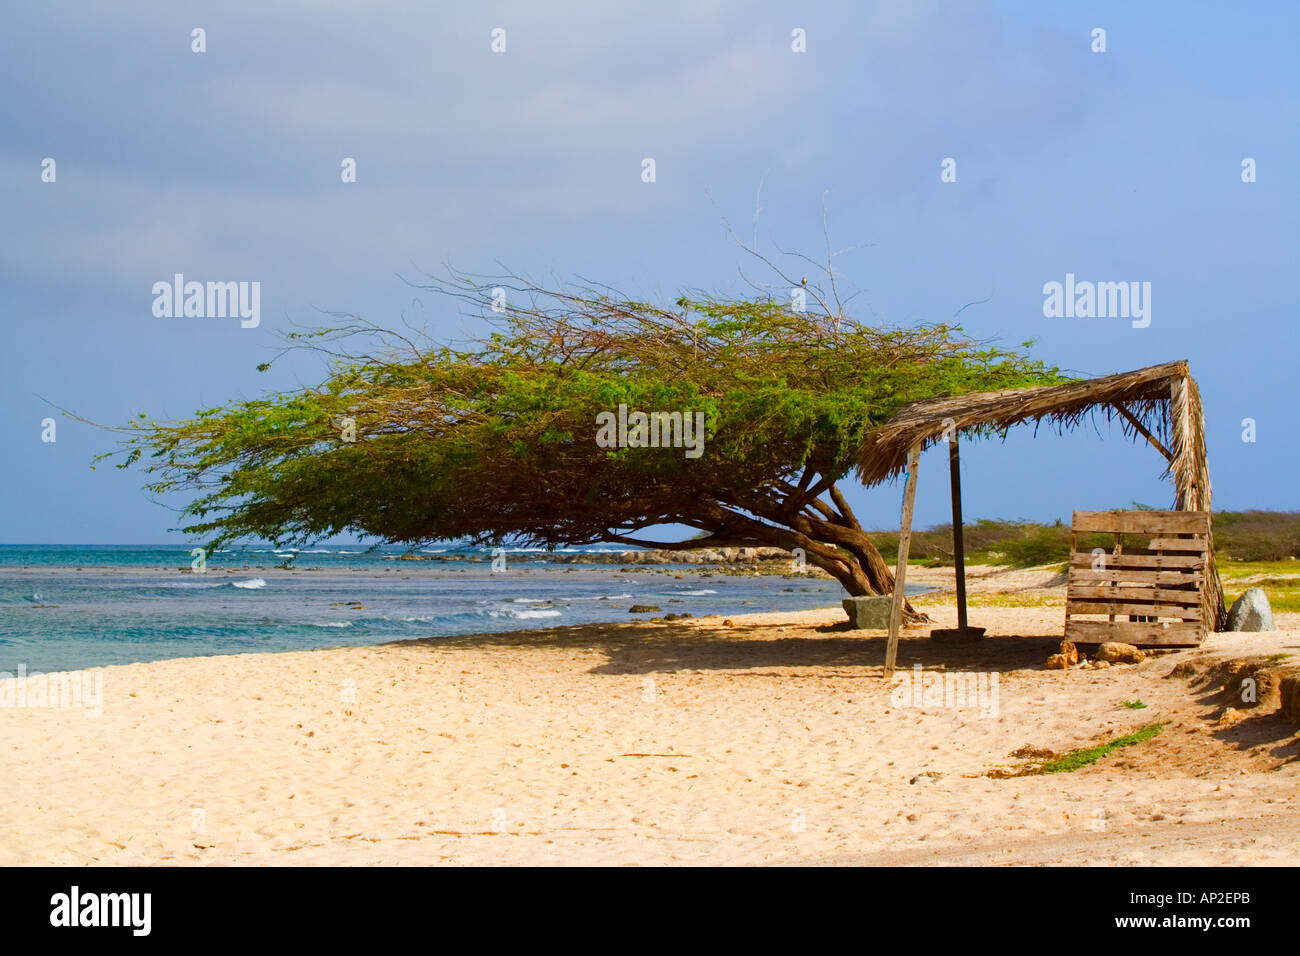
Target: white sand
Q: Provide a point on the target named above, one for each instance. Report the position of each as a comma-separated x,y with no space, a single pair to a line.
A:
775,740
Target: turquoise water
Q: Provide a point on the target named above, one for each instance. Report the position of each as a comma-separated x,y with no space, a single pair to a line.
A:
69,606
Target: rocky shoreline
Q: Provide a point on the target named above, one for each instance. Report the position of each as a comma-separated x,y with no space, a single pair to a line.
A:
769,557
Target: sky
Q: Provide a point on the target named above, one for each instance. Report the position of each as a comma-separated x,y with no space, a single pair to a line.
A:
226,165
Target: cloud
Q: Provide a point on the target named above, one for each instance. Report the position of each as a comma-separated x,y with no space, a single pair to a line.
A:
232,164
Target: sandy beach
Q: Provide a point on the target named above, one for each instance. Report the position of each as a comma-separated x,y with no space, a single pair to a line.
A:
767,740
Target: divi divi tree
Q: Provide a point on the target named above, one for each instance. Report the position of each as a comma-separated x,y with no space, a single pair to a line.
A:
507,437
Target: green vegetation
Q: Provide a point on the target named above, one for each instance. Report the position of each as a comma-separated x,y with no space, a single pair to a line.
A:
1258,535
977,599
497,439
1021,544
1133,704
1281,579
1247,543
1279,599
1253,571
1089,755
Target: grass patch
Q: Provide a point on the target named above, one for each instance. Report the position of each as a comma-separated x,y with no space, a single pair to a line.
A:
1090,755
1231,569
1283,600
1014,599
1052,762
1279,579
995,599
1134,705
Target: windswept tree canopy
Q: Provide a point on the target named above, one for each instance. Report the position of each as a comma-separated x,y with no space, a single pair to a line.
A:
496,439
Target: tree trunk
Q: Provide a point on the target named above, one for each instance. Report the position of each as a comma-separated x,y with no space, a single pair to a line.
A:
879,578
845,553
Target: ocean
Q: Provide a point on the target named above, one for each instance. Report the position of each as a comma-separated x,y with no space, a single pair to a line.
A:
65,607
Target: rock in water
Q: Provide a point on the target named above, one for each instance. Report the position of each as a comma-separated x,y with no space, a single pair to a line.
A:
1251,612
1116,652
643,608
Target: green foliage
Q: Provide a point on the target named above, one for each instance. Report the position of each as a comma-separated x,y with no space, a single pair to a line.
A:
495,439
1040,546
1076,759
1258,535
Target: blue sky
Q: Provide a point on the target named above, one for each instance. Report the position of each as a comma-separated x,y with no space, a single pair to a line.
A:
224,165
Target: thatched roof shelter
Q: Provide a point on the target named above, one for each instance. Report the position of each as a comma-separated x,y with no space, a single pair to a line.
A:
1160,404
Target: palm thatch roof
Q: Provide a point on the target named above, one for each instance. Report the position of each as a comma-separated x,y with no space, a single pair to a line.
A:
1160,403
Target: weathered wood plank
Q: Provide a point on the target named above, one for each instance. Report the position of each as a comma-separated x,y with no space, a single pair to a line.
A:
1177,544
1135,561
900,571
1099,576
1182,612
1144,431
1152,595
1142,522
1132,632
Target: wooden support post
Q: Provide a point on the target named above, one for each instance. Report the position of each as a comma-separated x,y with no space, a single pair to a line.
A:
958,544
1142,430
900,570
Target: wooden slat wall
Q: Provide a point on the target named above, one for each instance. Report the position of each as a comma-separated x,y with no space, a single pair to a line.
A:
1153,523
1158,579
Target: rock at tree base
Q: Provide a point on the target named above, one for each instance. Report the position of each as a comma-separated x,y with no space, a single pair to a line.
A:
1116,652
1251,612
868,613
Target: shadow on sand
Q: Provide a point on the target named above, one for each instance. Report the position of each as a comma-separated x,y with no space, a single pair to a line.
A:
644,648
